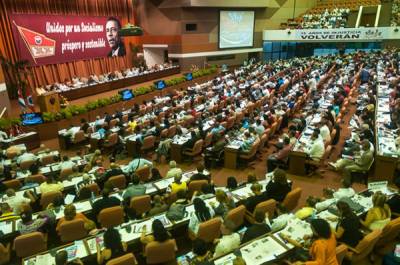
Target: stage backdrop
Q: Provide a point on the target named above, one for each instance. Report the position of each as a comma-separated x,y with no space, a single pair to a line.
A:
51,39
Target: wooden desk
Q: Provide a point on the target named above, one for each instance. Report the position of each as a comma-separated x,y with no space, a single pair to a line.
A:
176,152
231,156
117,84
385,167
297,163
31,140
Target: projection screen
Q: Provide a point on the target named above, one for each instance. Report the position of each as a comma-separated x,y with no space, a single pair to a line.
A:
236,29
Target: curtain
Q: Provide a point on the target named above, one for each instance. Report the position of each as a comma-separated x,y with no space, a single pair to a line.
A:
48,74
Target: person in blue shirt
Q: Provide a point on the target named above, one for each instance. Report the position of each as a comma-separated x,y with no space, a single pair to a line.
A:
218,128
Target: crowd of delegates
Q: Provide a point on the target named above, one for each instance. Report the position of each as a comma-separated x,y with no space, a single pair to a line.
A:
395,20
77,82
244,85
328,19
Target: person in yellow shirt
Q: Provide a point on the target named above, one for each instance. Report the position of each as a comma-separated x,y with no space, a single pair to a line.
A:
51,185
178,184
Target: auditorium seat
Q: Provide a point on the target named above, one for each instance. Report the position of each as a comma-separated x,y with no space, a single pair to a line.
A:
195,185
29,244
208,230
48,198
111,217
38,178
141,204
364,247
196,150
237,215
292,199
118,181
25,165
143,173
127,259
389,237
267,207
341,252
72,230
14,184
161,253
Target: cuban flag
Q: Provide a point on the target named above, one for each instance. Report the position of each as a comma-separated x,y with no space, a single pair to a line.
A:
29,100
21,100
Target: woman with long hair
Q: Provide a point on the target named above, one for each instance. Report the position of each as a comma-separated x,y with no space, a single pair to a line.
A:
349,225
160,234
202,213
113,246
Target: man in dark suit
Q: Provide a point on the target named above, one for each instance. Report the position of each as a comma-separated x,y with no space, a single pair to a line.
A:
114,170
115,42
200,174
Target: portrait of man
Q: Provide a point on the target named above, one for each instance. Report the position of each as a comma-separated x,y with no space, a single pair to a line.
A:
117,46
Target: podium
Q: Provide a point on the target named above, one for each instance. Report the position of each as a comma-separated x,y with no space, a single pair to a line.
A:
49,102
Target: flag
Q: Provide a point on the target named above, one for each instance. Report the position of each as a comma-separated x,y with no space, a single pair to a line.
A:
21,100
38,44
29,100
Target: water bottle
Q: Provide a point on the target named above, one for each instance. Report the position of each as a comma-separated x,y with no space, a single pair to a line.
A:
93,197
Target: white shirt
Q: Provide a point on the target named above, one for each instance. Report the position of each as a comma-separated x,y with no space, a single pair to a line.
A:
16,202
344,192
226,244
325,133
316,149
26,157
66,164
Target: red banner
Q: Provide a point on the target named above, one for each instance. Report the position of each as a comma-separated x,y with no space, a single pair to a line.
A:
52,39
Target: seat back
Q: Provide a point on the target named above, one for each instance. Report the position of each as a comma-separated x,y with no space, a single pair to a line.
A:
72,230
12,154
164,133
94,188
171,131
263,140
47,159
268,206
292,199
389,232
38,178
26,164
196,185
197,148
118,181
112,140
29,244
210,230
341,252
111,217
112,123
366,245
143,173
65,173
236,215
148,142
48,198
141,204
14,184
157,252
127,259
79,137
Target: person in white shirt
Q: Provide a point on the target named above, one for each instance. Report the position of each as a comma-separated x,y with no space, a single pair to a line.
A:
324,131
66,163
346,192
229,240
173,170
25,156
316,148
16,202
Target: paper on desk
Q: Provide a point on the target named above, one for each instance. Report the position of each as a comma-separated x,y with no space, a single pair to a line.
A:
69,198
261,251
6,227
225,260
296,229
45,259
